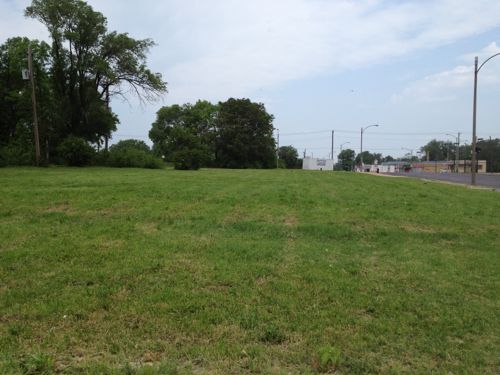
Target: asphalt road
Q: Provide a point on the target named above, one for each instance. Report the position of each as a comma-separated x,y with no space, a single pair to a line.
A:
486,180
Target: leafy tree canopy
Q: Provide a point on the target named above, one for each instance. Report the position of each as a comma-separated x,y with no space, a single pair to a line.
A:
346,159
289,156
89,64
244,135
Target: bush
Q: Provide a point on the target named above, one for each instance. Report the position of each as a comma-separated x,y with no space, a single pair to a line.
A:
75,152
3,163
131,144
20,149
133,154
188,159
101,158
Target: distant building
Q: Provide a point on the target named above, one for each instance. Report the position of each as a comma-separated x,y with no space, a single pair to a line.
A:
464,166
312,164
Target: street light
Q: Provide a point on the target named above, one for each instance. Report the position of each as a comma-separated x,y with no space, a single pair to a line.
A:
457,157
474,112
362,131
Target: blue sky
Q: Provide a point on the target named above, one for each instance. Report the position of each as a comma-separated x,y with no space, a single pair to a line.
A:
318,65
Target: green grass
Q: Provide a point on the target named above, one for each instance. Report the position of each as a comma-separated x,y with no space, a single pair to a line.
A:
219,271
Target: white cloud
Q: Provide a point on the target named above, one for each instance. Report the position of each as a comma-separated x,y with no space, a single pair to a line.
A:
450,84
234,48
13,23
216,49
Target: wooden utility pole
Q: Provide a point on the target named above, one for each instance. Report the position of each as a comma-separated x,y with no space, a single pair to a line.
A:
278,148
33,100
106,137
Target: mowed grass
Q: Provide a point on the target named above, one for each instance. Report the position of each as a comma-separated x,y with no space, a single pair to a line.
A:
221,271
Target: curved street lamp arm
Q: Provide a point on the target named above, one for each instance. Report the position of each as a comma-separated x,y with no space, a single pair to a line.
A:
369,126
488,59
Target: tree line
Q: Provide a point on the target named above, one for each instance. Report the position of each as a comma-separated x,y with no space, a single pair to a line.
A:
76,75
434,150
236,133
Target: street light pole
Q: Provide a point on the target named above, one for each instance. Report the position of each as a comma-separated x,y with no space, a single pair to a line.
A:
474,113
474,140
362,131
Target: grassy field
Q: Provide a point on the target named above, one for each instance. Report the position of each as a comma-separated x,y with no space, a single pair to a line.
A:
219,271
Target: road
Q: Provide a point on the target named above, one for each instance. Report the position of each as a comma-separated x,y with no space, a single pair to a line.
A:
486,180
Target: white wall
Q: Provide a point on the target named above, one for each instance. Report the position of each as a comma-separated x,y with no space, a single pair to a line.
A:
317,164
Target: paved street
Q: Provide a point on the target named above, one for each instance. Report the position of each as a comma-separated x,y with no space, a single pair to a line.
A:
487,180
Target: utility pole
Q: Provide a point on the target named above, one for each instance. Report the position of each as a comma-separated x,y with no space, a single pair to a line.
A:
278,148
106,137
305,153
33,100
333,139
474,138
458,153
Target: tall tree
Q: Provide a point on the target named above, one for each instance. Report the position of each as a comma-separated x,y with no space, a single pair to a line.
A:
368,157
198,120
91,64
346,159
439,150
489,150
16,120
289,156
244,135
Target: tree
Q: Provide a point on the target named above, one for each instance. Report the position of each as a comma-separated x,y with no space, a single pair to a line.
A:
16,129
244,136
132,153
346,159
489,150
368,158
289,156
188,150
197,119
439,150
90,64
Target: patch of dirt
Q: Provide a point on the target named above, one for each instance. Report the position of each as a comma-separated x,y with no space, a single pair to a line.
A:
147,228
290,221
413,228
60,208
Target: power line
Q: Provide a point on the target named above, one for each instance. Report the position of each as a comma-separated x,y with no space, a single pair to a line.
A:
443,133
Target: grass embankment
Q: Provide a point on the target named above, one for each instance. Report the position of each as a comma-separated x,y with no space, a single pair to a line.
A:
221,271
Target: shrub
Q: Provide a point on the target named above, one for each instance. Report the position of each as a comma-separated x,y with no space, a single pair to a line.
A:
75,152
189,152
131,144
101,158
188,159
133,154
20,149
